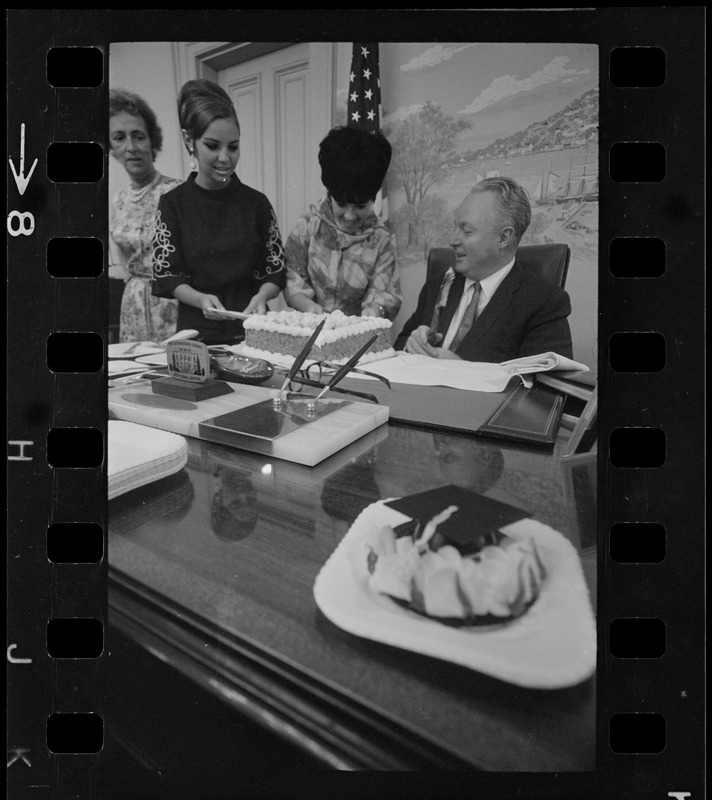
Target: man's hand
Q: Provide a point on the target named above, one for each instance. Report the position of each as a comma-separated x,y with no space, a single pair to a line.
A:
418,343
443,352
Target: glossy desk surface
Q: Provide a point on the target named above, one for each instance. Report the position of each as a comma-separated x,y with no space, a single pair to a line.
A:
212,570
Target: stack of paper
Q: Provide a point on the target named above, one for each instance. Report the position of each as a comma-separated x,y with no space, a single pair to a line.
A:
138,455
425,371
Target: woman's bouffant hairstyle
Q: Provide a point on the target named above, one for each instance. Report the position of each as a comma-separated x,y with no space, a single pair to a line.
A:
200,102
122,100
354,164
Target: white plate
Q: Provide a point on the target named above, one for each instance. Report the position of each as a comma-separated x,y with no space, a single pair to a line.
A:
138,455
157,360
553,645
119,350
124,367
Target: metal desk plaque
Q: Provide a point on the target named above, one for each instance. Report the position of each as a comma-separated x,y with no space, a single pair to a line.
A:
189,373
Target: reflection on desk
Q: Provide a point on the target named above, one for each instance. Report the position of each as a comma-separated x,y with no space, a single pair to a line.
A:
221,587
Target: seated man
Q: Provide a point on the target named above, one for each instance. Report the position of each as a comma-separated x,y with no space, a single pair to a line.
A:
489,308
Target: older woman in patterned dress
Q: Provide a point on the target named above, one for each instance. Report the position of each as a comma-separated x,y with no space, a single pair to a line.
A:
135,139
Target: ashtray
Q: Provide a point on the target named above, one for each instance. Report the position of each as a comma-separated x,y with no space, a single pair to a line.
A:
242,369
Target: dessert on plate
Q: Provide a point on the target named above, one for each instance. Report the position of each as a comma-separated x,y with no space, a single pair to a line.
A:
492,579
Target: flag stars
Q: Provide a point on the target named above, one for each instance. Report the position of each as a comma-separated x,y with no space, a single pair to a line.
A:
363,95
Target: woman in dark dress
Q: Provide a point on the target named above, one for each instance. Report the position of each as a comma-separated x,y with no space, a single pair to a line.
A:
217,244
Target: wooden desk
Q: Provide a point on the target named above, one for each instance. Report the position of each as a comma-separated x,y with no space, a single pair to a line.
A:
212,572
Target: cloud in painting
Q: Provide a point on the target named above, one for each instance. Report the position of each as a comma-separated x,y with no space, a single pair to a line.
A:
508,85
433,56
403,113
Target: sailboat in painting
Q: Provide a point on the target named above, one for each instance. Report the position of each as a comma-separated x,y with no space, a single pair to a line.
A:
583,186
582,183
546,189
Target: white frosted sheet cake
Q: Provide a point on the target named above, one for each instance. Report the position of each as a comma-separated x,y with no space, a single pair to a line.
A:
277,335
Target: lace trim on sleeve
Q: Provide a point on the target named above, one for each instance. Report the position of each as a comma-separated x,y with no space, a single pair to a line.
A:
275,253
162,248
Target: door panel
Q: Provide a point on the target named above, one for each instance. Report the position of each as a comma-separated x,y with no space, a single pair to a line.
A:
292,146
277,109
246,97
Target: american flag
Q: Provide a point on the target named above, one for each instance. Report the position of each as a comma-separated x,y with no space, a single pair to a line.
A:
362,108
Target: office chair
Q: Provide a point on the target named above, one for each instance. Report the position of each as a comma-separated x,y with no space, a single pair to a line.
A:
549,261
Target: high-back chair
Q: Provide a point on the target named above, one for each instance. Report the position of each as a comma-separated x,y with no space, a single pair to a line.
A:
549,261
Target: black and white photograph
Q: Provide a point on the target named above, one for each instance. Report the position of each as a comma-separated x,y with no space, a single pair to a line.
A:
395,177
362,500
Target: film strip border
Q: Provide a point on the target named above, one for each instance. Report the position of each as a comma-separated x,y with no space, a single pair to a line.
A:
651,613
651,270
56,315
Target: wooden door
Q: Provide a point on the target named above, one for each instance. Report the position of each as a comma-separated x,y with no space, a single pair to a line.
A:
282,120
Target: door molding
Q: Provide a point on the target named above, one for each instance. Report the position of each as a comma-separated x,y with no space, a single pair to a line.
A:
205,59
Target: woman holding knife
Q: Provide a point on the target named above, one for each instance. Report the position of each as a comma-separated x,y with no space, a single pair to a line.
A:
217,245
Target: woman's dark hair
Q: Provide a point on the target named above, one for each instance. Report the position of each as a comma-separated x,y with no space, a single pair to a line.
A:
122,100
200,102
354,164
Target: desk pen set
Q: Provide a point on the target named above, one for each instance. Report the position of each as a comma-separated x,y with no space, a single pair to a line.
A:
282,423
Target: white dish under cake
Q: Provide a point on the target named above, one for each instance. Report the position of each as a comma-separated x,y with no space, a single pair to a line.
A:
551,646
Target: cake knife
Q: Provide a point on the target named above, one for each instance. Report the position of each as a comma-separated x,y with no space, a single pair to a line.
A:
342,372
299,360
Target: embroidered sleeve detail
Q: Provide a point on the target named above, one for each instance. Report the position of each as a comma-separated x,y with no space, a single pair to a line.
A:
162,248
275,253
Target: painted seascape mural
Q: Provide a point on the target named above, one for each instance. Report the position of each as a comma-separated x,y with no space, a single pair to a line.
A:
456,113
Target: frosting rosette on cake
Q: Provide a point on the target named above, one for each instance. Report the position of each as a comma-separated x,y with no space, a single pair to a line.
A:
497,583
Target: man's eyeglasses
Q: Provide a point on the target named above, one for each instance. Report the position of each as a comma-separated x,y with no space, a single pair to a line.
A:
313,374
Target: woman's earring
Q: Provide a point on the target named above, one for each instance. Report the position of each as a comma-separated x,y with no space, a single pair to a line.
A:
193,164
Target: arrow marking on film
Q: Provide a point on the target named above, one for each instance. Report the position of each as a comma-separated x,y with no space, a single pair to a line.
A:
20,178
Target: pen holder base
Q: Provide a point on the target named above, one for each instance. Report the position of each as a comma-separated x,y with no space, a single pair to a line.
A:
175,387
